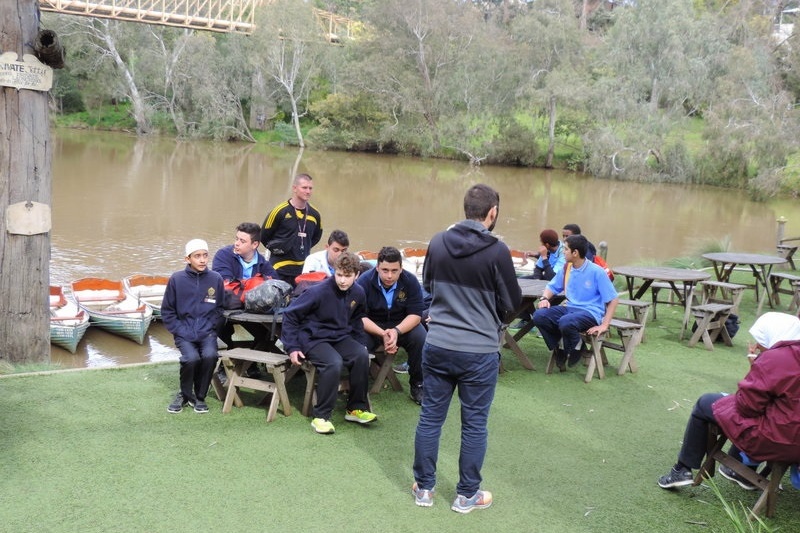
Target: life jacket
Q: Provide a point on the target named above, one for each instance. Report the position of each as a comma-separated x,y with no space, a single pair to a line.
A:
599,261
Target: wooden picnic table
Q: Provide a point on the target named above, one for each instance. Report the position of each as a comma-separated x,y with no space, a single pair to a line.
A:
687,278
532,290
760,264
270,322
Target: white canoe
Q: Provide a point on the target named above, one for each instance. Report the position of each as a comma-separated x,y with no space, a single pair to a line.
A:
111,308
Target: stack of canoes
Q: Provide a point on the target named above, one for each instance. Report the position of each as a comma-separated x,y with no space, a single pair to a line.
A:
68,323
147,289
111,308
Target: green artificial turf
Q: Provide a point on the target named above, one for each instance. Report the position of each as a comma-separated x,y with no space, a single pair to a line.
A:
96,450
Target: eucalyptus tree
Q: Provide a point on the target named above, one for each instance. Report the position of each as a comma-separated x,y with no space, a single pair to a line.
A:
553,53
287,52
752,124
438,70
659,66
107,53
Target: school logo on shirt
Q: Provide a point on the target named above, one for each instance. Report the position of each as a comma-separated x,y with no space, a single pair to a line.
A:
401,296
210,296
352,304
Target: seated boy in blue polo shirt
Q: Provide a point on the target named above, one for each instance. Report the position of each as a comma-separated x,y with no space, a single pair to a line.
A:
324,325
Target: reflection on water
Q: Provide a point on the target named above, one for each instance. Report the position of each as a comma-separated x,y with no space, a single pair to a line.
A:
123,205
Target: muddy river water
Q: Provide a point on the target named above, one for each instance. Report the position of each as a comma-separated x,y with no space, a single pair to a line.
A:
123,205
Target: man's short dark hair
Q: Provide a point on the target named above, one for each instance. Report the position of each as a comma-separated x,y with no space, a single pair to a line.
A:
339,237
573,228
578,243
479,200
252,229
348,262
389,254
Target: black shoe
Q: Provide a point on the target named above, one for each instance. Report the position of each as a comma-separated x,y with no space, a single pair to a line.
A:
676,478
254,372
200,406
561,359
177,404
574,358
730,474
222,376
416,394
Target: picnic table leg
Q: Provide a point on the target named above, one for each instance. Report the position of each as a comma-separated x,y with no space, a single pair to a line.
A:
514,347
280,395
643,289
233,385
596,360
687,313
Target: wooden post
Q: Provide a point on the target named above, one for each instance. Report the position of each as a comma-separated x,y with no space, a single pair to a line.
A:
781,229
25,178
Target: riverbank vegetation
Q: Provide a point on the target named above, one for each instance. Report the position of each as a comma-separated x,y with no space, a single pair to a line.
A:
696,91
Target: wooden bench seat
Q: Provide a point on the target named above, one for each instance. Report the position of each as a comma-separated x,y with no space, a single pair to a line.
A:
655,288
310,397
787,251
776,280
711,319
279,367
768,484
628,331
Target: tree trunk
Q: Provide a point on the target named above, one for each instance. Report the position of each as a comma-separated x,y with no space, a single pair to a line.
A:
296,122
25,175
551,134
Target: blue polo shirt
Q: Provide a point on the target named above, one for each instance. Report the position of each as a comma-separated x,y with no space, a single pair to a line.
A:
588,288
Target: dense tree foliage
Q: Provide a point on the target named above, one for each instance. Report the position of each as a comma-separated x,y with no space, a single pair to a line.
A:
691,91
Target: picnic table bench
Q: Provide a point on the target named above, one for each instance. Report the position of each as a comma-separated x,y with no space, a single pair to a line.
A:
237,361
629,331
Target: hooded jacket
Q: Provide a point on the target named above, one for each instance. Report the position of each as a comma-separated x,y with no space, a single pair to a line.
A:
471,278
763,417
192,305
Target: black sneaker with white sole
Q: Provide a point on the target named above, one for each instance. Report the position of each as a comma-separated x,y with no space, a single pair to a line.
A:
731,474
676,478
200,406
177,404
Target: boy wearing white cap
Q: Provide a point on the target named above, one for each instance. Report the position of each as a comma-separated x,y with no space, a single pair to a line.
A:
192,312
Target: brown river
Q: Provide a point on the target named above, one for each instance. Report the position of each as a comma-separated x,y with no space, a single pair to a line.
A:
123,205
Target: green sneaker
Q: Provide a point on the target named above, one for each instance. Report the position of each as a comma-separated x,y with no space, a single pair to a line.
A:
360,417
322,426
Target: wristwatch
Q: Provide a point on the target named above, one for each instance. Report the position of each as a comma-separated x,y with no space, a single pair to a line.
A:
543,298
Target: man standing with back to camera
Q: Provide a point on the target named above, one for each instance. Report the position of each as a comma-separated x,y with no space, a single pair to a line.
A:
471,277
291,229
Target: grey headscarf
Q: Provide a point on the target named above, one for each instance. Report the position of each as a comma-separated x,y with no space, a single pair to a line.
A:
772,328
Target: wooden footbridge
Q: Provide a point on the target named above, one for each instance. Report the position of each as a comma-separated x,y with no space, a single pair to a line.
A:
211,15
230,16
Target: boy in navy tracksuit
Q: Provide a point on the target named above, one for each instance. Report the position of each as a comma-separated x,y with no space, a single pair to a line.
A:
192,312
324,324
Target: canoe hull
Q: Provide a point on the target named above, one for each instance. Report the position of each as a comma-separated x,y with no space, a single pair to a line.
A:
68,322
134,328
111,309
68,336
148,290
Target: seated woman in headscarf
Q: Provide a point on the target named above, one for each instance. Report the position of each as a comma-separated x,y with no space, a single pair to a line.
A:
762,418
